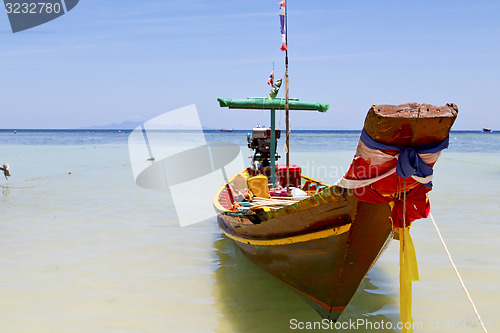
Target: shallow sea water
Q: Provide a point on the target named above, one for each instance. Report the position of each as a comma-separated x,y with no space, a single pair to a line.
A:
83,249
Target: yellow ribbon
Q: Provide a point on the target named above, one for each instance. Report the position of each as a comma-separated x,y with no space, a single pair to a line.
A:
408,272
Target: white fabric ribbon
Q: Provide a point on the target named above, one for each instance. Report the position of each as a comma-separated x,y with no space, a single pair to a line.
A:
378,157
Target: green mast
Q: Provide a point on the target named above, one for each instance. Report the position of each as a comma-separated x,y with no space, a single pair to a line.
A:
286,104
263,103
273,147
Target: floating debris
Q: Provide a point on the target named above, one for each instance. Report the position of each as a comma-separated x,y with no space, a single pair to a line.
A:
6,171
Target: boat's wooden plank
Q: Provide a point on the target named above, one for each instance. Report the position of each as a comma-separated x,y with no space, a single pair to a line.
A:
315,213
410,124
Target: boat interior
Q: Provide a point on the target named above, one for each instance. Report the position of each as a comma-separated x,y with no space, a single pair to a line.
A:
248,190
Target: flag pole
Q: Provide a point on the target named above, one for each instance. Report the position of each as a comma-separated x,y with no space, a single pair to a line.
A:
273,144
287,107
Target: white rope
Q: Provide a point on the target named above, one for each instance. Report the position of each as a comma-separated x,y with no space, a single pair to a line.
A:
458,274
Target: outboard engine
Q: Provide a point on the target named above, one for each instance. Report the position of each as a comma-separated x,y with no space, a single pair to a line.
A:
260,142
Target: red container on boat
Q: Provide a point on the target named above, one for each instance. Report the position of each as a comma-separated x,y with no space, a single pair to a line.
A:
278,193
295,172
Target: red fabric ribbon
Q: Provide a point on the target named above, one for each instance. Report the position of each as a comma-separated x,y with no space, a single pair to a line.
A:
417,203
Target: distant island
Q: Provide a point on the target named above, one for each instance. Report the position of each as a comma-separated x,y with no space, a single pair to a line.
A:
131,125
125,125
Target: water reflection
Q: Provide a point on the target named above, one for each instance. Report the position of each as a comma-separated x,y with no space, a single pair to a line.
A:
249,299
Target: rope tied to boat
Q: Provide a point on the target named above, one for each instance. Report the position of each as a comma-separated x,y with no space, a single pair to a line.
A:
458,275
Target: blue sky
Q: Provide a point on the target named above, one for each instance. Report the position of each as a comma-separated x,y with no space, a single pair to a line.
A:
113,61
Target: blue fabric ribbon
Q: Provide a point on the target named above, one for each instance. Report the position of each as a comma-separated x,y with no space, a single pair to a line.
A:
409,161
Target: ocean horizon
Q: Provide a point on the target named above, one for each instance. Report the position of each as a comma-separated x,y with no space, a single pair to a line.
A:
205,130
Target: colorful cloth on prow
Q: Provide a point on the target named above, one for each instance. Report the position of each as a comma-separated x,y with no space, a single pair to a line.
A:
283,25
381,173
408,273
271,79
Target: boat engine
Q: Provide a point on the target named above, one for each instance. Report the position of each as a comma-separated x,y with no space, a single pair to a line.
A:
260,143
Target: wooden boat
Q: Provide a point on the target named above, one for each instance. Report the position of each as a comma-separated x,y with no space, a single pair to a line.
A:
487,130
320,239
323,244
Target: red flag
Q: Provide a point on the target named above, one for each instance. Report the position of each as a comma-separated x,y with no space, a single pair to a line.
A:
283,25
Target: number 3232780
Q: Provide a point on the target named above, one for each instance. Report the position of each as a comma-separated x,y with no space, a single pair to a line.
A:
33,8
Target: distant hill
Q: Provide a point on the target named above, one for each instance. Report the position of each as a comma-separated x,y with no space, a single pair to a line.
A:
126,125
131,125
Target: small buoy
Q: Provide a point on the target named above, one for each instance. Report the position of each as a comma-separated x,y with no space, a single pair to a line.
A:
119,131
15,132
69,173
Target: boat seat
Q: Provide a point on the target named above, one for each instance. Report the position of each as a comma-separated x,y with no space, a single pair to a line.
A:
306,185
311,190
259,186
224,199
240,182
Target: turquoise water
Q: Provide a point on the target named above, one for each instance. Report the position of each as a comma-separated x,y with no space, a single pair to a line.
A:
83,249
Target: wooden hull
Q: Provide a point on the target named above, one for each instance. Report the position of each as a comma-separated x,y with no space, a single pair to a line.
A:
322,250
